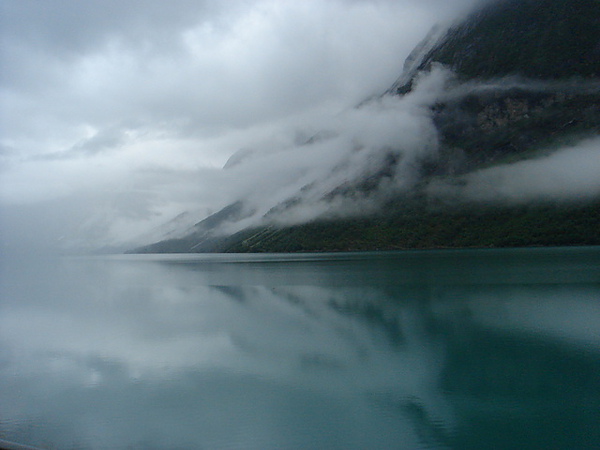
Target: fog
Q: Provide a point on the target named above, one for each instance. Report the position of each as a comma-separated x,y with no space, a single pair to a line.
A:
569,173
117,117
339,150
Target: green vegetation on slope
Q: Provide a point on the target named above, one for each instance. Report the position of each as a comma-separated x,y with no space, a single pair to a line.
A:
421,228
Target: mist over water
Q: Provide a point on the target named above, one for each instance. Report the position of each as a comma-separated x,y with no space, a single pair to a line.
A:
122,125
303,160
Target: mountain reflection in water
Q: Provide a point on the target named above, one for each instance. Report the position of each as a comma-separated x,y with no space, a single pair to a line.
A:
458,349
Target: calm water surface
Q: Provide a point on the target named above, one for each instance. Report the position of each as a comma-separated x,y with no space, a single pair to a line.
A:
410,350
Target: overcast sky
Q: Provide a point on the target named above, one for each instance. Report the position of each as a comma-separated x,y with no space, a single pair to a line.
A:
124,111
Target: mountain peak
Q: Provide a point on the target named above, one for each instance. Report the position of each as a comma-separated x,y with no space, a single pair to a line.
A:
536,39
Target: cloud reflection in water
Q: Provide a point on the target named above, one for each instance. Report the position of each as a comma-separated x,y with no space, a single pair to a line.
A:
304,353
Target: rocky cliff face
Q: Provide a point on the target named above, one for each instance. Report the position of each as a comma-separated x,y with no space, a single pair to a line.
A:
514,121
527,73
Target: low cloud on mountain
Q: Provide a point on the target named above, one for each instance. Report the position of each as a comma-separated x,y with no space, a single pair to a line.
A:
118,117
123,113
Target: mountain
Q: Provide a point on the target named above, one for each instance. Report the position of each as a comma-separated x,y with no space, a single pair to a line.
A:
537,68
517,81
536,39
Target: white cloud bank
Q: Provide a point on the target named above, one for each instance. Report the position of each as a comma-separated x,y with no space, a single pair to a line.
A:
119,115
569,173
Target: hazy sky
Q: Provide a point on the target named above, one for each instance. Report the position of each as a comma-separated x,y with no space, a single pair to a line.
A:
123,112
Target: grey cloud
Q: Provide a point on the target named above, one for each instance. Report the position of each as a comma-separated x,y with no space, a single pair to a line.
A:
234,66
569,173
121,56
144,100
72,27
41,41
103,141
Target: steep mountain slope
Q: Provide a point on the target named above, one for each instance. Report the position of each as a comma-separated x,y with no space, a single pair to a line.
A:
527,72
521,78
536,39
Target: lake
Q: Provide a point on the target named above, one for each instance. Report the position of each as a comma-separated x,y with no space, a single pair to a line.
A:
453,349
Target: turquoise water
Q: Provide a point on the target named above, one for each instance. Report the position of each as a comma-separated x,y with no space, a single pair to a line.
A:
437,349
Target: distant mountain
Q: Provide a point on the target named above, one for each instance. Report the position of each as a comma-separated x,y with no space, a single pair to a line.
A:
204,236
525,79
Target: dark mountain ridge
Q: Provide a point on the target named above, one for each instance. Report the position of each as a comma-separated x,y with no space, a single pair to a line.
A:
525,78
535,39
533,67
